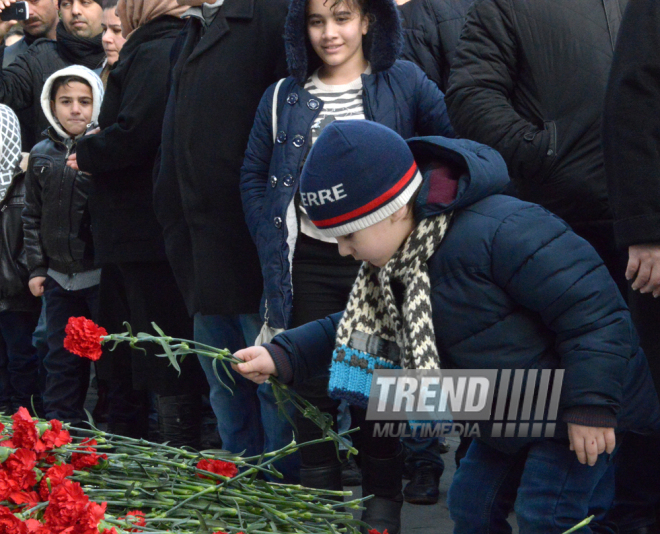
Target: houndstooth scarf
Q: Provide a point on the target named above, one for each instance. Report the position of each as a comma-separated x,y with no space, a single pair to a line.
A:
372,307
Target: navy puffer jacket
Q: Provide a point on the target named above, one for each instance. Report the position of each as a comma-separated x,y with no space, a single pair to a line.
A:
397,94
514,288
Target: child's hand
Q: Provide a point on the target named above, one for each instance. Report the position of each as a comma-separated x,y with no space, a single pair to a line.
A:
73,162
590,441
258,366
36,285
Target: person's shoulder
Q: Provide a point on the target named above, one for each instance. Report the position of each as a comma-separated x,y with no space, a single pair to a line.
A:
404,69
501,207
41,46
45,147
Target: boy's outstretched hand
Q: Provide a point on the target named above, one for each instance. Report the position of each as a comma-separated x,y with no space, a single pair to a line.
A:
258,366
589,441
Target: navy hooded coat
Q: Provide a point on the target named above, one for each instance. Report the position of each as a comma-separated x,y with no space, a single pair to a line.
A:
397,94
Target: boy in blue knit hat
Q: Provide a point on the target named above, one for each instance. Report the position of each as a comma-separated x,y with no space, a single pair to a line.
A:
457,275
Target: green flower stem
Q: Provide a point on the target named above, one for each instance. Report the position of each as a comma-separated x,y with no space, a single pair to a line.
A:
581,524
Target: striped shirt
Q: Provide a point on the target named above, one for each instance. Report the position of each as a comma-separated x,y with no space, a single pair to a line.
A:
340,102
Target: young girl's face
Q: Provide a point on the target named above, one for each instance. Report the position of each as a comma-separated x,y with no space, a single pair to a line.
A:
73,107
336,32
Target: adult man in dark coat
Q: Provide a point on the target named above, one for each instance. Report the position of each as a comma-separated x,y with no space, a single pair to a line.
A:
229,53
529,80
42,24
78,43
631,143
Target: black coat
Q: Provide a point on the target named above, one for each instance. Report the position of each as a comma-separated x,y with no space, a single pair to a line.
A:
21,82
122,156
14,275
217,84
529,80
431,29
56,220
631,127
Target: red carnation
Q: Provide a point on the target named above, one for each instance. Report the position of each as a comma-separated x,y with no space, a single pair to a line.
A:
109,531
82,461
10,524
56,476
31,498
136,520
19,467
2,427
55,437
24,431
219,467
35,527
83,337
7,485
70,511
374,531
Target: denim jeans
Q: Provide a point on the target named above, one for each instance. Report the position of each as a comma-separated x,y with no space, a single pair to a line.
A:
248,418
67,375
20,367
637,482
551,490
40,342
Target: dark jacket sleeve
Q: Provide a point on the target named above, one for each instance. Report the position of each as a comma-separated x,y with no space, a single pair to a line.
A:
430,32
480,85
631,126
139,124
432,116
37,262
254,173
17,81
548,269
308,348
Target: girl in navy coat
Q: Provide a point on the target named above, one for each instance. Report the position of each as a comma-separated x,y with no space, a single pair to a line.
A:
342,60
457,275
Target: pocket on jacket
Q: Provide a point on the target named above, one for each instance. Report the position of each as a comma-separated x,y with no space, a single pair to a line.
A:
550,156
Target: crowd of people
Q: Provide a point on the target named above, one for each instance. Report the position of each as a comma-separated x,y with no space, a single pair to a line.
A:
286,178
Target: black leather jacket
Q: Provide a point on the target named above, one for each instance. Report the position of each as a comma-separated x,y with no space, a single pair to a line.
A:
56,219
14,292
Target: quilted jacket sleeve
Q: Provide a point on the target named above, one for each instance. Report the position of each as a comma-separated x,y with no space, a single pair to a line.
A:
548,269
254,173
37,263
17,81
309,347
631,126
432,116
481,83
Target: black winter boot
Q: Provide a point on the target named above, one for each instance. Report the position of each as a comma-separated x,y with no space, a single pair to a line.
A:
382,478
179,420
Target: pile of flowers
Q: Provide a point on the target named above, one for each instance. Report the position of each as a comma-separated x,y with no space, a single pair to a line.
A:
54,483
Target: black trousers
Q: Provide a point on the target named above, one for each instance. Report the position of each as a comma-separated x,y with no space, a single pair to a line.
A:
322,281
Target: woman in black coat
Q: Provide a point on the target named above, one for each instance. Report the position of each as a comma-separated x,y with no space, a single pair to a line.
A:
126,233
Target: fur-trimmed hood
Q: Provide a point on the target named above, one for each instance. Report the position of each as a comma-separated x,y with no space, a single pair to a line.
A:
73,70
382,45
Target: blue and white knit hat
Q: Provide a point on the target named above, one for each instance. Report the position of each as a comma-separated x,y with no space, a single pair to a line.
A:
357,174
